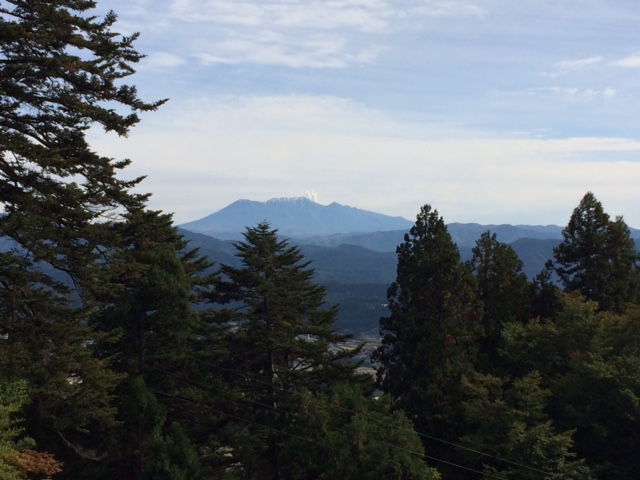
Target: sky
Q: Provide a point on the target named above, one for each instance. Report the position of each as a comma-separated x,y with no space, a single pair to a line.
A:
491,111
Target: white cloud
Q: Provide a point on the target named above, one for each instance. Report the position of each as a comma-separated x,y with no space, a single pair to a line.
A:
204,154
561,92
441,8
303,33
273,48
161,60
296,14
632,61
570,65
361,15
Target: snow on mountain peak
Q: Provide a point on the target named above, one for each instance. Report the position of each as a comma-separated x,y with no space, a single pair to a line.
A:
289,200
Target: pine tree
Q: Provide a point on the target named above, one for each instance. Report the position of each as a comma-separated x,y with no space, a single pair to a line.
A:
431,334
62,71
46,341
152,330
280,335
597,257
503,291
544,301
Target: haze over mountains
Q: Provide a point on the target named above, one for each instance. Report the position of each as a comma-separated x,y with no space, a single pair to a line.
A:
326,232
353,250
306,221
294,217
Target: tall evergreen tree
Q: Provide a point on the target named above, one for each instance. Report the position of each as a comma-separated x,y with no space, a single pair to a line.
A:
46,341
152,330
544,301
597,257
280,335
431,334
503,291
62,70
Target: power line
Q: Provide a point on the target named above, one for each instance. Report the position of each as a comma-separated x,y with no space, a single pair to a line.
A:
396,447
344,409
388,424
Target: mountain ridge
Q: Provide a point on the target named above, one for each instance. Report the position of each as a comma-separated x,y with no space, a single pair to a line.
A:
293,217
308,222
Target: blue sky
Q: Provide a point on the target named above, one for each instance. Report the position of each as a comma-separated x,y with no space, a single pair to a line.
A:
492,111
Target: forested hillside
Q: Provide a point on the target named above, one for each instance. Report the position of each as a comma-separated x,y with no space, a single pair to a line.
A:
125,353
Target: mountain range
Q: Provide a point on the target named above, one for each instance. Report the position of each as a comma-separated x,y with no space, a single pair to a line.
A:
308,222
353,250
294,217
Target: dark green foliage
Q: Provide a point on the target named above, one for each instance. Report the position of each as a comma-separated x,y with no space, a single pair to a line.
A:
47,342
149,297
281,328
598,257
154,335
149,447
12,396
279,335
431,334
18,459
178,458
590,362
503,292
544,300
508,423
346,436
61,71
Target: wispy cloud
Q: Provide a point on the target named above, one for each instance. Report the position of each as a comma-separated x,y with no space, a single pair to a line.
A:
304,33
161,60
321,50
632,61
561,92
567,66
570,65
358,156
362,15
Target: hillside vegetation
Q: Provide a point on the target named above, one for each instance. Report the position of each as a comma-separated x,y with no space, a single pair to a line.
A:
127,353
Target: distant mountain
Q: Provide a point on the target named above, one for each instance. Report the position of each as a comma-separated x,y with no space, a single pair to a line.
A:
294,217
355,277
467,233
352,250
377,241
463,234
534,253
343,264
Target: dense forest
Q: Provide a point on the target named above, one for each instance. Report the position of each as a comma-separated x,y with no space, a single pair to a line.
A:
124,353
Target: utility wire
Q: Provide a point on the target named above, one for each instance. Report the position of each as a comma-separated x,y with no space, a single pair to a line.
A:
424,435
344,409
396,447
